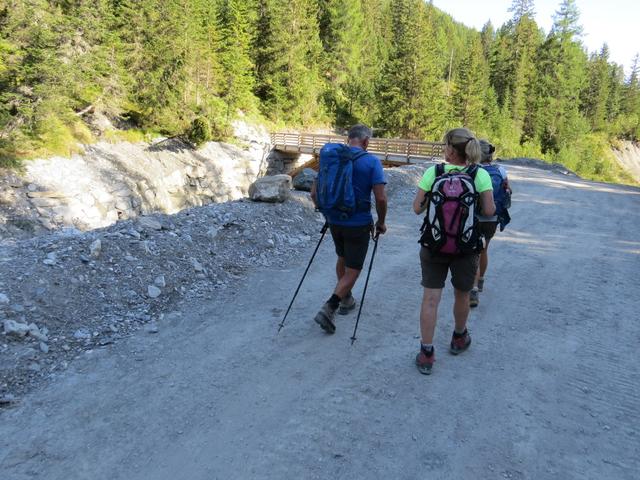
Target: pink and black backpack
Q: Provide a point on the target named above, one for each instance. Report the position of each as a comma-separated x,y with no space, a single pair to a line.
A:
450,225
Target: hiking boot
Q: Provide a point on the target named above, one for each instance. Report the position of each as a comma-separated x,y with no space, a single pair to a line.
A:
324,318
480,284
425,361
474,298
346,305
460,343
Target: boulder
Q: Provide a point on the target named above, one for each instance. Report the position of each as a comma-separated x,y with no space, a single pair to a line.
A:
275,188
149,223
15,329
305,179
153,291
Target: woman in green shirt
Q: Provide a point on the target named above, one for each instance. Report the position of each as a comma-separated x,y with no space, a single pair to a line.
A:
462,149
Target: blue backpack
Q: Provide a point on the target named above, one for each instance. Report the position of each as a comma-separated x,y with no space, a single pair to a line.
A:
501,195
335,194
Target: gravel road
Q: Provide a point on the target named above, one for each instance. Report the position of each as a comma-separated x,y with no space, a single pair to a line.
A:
548,390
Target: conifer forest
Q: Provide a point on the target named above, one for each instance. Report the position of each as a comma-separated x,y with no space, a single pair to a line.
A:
171,67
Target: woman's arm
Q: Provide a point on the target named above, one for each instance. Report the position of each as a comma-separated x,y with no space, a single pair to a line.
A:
487,204
419,203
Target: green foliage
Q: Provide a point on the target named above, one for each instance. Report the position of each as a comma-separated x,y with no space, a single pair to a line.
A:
471,87
288,56
411,90
237,22
199,132
591,157
402,66
131,135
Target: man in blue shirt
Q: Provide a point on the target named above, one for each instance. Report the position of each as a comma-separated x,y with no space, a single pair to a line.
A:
351,235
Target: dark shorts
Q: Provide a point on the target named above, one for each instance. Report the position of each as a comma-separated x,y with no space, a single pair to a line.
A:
488,229
436,267
351,244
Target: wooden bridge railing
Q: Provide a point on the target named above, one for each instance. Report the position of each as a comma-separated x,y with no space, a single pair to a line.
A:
388,149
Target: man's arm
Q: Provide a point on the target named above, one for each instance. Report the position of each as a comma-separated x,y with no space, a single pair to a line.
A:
312,194
381,207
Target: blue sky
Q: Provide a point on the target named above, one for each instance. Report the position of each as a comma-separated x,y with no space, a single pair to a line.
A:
616,22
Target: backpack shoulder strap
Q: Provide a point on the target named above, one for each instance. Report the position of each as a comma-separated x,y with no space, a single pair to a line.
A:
359,155
439,170
472,171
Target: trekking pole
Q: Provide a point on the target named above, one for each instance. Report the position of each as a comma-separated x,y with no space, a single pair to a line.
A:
373,254
323,231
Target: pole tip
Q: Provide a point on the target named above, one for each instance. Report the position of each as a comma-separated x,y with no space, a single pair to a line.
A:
353,339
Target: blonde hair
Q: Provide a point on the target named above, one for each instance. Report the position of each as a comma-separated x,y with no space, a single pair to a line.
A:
465,143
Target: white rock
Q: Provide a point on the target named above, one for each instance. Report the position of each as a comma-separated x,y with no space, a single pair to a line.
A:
51,259
15,329
134,233
35,332
212,233
276,188
153,291
4,298
197,266
87,199
160,281
81,334
150,223
44,348
96,248
152,328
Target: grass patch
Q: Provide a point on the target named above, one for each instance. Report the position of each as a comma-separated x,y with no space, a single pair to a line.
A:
132,135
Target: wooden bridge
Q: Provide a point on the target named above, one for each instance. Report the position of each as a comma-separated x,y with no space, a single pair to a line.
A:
391,151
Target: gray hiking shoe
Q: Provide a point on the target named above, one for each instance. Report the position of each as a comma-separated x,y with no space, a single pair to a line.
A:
347,304
474,298
324,318
480,284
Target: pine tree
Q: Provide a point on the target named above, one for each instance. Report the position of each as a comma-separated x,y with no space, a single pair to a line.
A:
513,60
287,61
561,73
631,103
343,40
522,9
596,94
471,87
237,21
410,90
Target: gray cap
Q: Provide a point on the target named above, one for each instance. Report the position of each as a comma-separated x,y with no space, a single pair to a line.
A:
487,150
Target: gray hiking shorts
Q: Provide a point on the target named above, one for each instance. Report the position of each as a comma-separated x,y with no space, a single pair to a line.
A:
436,267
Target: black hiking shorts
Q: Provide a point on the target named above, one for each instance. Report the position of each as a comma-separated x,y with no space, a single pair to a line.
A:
488,229
351,244
435,268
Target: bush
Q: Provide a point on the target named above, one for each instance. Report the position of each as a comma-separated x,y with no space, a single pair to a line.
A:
591,157
200,131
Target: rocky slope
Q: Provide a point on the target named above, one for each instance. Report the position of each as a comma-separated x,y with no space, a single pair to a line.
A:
68,292
628,155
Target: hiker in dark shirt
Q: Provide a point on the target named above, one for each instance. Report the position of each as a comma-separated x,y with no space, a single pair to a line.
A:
351,234
462,153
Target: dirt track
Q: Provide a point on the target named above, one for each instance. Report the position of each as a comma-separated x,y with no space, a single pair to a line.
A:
548,389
